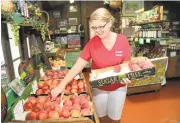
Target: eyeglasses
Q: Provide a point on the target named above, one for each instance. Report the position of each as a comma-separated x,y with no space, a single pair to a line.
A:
99,27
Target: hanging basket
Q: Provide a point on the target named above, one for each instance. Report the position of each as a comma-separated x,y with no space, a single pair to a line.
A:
115,4
7,6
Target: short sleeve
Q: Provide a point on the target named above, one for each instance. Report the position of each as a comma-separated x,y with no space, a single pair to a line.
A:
127,50
86,53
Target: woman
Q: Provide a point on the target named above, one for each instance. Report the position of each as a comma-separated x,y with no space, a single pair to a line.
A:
105,49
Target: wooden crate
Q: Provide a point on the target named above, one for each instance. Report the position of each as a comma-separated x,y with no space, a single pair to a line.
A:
144,88
69,120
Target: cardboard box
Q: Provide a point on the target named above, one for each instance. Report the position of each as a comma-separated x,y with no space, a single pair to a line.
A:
107,76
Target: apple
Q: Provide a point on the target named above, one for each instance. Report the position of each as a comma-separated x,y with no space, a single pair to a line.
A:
40,84
42,115
39,91
31,116
53,114
67,103
28,106
65,114
75,113
85,112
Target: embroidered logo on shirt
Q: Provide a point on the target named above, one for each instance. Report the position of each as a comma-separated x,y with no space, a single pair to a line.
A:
118,53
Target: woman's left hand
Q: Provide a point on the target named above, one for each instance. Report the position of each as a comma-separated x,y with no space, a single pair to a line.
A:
126,81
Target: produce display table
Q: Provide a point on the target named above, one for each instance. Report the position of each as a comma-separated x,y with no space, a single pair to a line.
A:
93,118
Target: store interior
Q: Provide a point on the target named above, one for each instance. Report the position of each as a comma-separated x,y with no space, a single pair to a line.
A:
42,40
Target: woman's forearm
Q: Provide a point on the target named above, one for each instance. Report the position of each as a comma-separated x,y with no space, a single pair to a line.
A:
76,69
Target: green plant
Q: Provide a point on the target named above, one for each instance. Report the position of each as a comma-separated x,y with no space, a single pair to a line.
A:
15,29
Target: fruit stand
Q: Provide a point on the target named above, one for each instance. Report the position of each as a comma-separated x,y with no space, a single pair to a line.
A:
75,105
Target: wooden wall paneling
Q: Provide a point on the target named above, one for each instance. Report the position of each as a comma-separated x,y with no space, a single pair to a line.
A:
41,47
7,51
23,43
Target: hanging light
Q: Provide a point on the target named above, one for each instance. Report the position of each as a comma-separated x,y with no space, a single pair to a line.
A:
71,1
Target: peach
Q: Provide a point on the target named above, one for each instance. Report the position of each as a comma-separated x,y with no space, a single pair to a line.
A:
75,86
58,100
41,99
55,82
67,103
28,106
76,100
40,84
65,114
47,91
76,107
80,90
45,87
66,108
42,115
39,91
73,90
52,86
85,112
33,100
31,116
48,82
85,106
75,113
46,105
53,114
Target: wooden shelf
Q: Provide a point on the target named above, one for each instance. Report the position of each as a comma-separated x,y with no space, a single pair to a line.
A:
65,33
150,22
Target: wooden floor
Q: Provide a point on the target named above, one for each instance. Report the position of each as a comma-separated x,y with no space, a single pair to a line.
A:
154,107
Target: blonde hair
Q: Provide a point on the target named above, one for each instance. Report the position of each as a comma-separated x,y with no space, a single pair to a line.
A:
102,14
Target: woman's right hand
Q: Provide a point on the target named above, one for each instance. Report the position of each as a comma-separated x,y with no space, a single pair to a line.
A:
56,91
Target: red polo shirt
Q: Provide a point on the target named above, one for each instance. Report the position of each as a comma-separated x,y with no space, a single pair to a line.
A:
102,57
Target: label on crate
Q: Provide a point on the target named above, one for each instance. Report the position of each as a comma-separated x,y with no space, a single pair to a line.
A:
18,109
34,86
116,79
